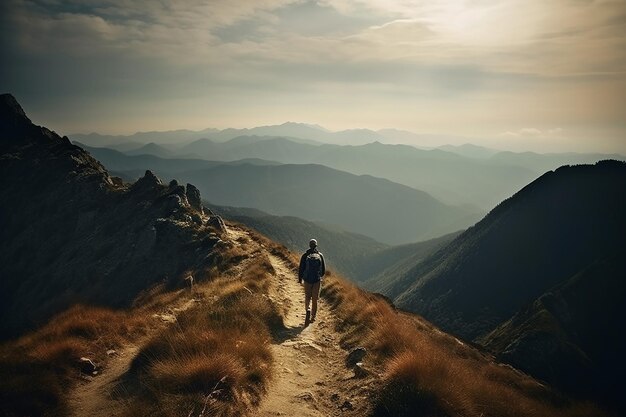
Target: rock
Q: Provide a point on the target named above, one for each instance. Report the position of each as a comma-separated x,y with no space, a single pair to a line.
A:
87,366
193,196
180,192
149,181
210,241
111,352
173,202
208,211
347,405
217,223
335,397
173,184
307,396
356,355
360,371
117,181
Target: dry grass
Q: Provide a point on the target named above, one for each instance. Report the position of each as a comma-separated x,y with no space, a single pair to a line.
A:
219,347
430,373
216,359
37,369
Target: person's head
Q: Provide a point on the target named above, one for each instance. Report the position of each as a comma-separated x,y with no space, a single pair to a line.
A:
312,243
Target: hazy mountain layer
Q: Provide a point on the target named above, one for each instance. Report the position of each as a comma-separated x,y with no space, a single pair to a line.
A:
343,251
445,175
388,212
359,204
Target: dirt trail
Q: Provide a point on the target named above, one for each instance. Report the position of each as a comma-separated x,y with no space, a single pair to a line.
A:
311,378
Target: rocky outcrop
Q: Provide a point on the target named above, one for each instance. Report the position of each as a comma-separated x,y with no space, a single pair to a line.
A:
69,232
193,196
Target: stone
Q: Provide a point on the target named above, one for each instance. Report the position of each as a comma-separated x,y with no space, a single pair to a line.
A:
173,202
173,184
347,405
360,371
111,352
356,355
335,397
307,396
217,223
193,196
87,366
149,181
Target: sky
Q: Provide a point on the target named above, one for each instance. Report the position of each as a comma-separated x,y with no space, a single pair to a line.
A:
512,74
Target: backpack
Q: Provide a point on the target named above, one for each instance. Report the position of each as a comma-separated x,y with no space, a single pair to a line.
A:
312,267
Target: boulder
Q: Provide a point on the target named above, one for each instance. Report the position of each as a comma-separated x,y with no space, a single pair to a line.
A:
193,196
360,371
173,203
148,182
217,223
355,356
87,366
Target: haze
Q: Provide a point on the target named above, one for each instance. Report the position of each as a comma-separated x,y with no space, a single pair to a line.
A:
520,75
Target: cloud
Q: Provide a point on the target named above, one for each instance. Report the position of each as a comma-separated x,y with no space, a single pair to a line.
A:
484,65
532,132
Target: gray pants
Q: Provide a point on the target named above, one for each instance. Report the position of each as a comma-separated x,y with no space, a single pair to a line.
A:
311,291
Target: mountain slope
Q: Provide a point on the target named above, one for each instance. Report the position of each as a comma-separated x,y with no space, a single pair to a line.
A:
539,281
388,212
344,251
572,333
374,270
543,235
71,233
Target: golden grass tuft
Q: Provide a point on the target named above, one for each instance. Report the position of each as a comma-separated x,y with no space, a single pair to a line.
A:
217,355
37,369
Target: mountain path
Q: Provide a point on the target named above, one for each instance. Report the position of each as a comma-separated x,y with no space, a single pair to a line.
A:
310,376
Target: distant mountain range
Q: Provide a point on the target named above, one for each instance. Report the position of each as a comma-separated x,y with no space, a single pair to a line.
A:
344,252
303,131
356,256
540,278
385,211
459,175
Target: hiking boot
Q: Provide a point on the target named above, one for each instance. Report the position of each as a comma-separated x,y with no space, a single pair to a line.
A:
312,319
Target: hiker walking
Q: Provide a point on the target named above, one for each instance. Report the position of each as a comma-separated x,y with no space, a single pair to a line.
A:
312,269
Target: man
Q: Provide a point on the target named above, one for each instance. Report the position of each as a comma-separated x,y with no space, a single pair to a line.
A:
312,269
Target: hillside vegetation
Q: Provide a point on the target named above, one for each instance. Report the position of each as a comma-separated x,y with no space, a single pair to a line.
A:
552,232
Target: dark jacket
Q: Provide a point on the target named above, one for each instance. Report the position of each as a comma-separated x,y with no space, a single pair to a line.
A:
303,264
